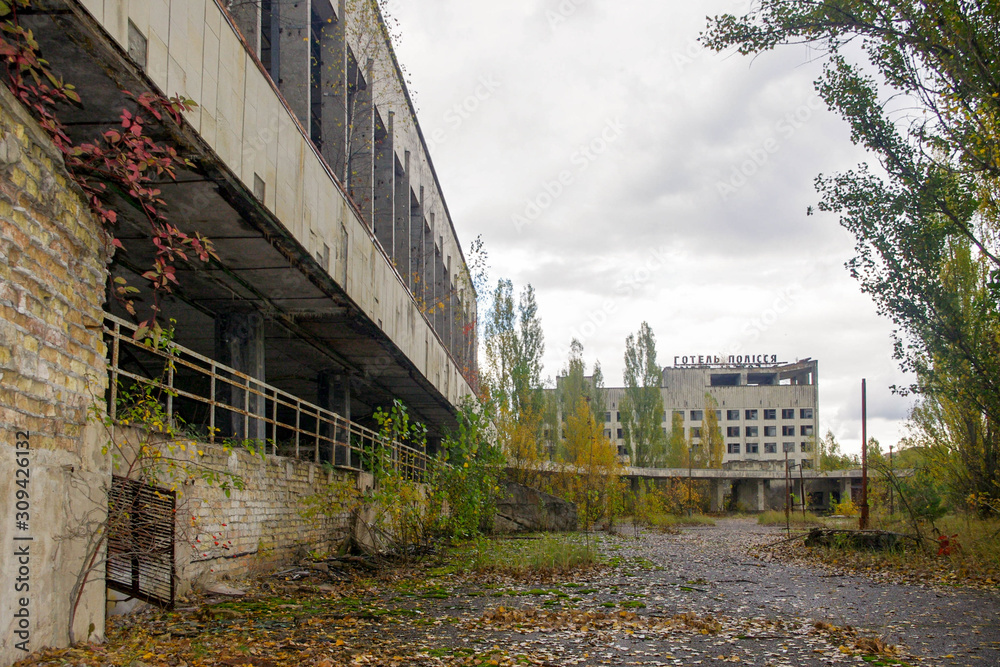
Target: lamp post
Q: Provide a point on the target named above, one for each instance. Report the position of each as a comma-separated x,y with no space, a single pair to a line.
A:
691,449
892,509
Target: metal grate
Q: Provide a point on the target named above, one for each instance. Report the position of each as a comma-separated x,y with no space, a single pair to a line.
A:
141,541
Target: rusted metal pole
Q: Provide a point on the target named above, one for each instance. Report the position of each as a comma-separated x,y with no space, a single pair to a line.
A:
788,497
802,488
863,524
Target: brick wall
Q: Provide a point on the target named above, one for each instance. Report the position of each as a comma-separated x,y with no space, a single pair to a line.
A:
257,526
52,370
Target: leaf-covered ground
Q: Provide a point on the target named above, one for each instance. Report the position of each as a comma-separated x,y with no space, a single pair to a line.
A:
697,597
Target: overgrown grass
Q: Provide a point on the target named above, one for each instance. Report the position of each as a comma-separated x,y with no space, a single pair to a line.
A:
777,518
969,555
544,554
677,520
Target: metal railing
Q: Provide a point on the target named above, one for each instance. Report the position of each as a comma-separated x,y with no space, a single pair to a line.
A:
217,402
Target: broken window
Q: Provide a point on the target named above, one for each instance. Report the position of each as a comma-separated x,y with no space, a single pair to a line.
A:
697,415
751,431
770,414
751,414
804,447
788,413
788,430
752,448
770,448
788,446
733,448
733,431
695,431
724,379
806,413
733,415
806,429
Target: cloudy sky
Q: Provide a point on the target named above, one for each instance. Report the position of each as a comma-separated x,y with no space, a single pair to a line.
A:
630,175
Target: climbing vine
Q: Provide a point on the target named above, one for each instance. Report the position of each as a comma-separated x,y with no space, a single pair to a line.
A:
123,161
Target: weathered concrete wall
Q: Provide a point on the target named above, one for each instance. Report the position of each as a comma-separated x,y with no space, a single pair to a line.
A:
52,371
195,51
524,509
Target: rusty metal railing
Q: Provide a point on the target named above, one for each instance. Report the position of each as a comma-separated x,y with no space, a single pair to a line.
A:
217,402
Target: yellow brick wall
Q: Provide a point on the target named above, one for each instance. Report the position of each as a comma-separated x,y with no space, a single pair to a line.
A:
52,371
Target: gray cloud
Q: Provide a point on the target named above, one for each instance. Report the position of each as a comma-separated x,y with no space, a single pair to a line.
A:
691,122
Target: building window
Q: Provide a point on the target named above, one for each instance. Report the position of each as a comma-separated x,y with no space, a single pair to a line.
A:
607,416
787,430
770,414
618,416
788,413
619,434
806,429
733,448
770,448
664,430
751,414
807,463
804,446
733,415
733,431
770,431
607,433
679,413
695,431
806,413
718,415
697,415
788,446
752,448
751,431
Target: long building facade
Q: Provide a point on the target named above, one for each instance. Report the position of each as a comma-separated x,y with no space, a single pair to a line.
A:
765,409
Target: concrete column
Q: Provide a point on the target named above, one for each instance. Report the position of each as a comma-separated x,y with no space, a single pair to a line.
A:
402,207
247,17
362,137
417,224
718,495
239,344
428,263
294,68
759,495
334,394
845,488
384,189
333,83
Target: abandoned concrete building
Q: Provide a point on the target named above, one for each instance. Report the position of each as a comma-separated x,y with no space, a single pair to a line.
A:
340,283
765,409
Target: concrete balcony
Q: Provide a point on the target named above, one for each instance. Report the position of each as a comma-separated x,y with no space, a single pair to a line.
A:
340,278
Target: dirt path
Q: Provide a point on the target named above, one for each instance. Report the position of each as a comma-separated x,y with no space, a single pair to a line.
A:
931,622
697,597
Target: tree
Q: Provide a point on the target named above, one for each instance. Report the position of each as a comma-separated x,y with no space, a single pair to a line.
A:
514,346
928,226
830,455
712,443
677,444
642,404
